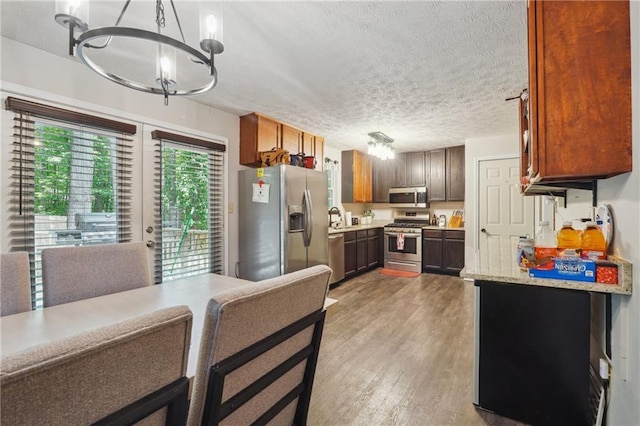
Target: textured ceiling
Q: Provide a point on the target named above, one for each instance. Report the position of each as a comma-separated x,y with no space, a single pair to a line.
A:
428,74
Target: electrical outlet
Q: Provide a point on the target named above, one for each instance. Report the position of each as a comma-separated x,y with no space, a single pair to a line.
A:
230,207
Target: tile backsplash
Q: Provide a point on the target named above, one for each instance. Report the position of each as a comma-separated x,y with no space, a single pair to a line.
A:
383,212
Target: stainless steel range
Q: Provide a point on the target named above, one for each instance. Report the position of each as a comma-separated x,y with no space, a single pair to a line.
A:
403,241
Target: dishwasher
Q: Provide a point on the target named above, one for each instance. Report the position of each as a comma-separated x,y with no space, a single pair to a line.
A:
336,257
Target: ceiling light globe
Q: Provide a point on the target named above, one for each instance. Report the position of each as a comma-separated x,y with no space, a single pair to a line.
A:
211,27
72,11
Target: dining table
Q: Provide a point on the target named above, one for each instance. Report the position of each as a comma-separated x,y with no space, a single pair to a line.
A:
37,327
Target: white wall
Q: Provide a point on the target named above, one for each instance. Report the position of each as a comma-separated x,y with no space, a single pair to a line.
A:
32,73
623,194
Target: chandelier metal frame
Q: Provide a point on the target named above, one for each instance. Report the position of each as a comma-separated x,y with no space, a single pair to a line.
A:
210,46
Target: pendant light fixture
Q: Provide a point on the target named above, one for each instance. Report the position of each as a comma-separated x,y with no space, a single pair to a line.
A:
380,146
73,15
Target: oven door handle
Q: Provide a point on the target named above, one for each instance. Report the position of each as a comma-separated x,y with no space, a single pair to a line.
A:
395,234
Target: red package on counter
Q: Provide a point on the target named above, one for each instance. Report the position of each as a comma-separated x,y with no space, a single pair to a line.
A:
606,273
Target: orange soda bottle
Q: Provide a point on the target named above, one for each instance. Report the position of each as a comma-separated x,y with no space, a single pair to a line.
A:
593,245
568,241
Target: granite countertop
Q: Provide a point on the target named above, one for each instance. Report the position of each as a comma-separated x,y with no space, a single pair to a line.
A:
375,224
515,276
446,228
381,224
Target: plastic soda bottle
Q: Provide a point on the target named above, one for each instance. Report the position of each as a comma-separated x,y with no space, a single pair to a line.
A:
593,245
568,241
546,246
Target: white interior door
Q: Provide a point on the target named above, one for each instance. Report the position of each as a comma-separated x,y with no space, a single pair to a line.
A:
503,214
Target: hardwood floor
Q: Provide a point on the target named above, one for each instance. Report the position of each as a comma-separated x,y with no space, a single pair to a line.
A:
398,351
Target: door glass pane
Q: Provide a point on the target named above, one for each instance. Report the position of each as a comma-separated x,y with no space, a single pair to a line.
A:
74,195
185,212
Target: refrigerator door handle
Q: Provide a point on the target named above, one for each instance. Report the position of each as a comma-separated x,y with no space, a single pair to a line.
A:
308,217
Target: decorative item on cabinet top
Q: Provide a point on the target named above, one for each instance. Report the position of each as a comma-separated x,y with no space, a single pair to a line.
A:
260,134
281,156
274,157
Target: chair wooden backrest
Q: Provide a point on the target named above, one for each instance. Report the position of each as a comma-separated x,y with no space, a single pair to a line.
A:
15,283
244,373
112,374
75,273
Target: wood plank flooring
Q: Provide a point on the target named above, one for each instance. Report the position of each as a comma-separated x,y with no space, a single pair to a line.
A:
398,351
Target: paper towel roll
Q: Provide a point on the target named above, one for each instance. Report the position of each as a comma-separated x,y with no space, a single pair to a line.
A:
347,219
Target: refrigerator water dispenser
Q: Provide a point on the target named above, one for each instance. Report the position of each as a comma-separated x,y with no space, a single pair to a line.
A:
296,219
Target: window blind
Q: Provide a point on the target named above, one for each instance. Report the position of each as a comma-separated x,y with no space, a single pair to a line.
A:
70,182
189,196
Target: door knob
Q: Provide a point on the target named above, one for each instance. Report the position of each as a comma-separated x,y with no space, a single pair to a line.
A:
151,244
484,231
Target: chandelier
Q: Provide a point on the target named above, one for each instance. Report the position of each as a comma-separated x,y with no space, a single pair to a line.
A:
380,146
73,14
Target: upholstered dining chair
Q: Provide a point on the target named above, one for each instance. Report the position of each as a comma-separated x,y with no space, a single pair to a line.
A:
259,350
75,273
118,374
15,283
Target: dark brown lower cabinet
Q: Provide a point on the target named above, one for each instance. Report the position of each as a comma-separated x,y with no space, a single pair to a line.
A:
442,251
362,250
431,250
349,253
453,251
373,243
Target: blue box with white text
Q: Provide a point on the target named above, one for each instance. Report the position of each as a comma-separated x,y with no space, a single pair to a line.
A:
568,269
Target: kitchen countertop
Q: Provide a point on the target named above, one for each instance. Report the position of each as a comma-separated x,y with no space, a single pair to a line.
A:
381,224
446,228
375,224
515,276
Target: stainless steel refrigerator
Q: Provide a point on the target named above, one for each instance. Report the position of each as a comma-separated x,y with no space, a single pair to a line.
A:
283,221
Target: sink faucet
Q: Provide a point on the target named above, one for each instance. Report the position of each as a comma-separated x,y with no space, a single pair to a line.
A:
334,210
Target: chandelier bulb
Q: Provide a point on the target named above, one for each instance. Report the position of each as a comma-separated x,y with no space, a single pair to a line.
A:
212,25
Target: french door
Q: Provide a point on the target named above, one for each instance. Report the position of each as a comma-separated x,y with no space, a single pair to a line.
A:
183,206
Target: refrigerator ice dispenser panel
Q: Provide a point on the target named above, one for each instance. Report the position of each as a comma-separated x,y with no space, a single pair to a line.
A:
296,219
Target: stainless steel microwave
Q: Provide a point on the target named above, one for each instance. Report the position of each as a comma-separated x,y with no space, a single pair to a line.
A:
415,197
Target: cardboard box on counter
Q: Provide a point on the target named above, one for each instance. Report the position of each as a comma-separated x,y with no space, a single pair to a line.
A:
606,272
568,269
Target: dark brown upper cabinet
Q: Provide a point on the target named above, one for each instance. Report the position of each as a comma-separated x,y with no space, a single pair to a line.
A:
415,169
455,173
436,187
399,177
